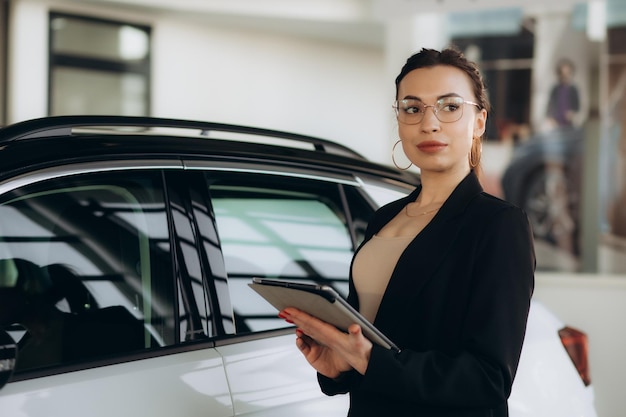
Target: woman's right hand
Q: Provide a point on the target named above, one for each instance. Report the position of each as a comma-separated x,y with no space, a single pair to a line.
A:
329,350
322,358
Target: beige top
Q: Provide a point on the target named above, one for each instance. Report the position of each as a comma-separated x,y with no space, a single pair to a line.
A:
372,269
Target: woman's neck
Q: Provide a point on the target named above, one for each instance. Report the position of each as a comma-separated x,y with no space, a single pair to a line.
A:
437,187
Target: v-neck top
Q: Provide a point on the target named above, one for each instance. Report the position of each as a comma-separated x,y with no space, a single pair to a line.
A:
372,268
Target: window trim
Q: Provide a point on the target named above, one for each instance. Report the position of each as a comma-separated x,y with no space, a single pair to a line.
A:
44,174
267,169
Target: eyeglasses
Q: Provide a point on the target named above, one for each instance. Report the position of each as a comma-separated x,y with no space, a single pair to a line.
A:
447,109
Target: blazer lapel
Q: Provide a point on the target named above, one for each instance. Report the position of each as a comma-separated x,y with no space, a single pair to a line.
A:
420,260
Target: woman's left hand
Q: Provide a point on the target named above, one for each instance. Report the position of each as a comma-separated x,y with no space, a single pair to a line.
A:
315,335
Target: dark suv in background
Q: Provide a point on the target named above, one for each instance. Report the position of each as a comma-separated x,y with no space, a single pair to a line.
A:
126,249
544,178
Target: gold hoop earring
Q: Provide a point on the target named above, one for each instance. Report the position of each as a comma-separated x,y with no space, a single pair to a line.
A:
474,156
393,159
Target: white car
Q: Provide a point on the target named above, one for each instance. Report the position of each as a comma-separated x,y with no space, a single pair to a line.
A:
125,255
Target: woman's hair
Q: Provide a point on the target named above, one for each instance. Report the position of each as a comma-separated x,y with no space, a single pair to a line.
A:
427,58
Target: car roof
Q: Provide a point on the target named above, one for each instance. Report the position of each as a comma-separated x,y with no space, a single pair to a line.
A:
60,140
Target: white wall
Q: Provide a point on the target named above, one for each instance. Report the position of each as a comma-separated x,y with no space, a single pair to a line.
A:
595,305
300,85
333,91
27,72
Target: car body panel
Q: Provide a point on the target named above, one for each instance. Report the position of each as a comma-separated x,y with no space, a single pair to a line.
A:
190,384
547,384
269,377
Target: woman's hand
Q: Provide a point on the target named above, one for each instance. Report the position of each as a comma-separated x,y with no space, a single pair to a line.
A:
323,359
329,350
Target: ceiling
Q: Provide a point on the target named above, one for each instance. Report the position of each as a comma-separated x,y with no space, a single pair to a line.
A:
359,22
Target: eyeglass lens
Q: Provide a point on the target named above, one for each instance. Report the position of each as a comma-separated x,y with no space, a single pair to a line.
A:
447,109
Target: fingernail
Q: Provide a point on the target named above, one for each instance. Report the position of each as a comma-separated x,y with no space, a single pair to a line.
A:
284,317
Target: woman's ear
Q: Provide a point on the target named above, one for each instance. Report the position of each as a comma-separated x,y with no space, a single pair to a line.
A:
480,123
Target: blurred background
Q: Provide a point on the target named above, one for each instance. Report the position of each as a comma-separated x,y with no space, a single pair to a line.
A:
555,71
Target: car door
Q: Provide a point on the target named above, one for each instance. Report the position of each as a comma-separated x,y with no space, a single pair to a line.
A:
292,225
109,306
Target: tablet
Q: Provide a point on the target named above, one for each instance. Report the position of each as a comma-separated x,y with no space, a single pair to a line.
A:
321,301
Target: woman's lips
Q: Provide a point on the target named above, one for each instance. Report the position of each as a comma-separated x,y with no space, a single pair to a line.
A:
431,146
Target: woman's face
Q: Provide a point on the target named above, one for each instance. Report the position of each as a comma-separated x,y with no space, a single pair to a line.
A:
433,145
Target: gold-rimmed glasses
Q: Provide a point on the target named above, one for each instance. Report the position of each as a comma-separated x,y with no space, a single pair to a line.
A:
447,109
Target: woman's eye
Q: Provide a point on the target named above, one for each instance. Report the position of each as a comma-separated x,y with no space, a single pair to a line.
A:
451,108
450,104
412,110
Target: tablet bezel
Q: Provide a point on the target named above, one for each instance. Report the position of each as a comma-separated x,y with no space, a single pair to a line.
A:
323,302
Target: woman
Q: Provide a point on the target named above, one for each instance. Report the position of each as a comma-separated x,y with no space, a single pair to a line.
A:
447,273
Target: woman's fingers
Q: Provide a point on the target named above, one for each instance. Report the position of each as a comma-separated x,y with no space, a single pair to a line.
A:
354,329
301,343
320,341
310,325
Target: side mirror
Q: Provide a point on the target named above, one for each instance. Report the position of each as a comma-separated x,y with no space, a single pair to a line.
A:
8,355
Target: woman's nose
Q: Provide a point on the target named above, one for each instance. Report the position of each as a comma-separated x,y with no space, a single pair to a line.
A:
430,122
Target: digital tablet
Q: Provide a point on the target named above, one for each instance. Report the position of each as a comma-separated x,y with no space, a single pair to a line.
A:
321,301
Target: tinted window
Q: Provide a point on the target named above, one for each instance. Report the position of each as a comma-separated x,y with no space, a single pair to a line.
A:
286,228
86,262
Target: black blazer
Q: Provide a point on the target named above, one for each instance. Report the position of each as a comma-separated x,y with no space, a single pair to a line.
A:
456,304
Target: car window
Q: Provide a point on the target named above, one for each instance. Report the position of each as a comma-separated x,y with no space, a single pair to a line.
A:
383,191
86,261
285,228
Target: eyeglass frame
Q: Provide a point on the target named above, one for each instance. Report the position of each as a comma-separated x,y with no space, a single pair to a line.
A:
396,107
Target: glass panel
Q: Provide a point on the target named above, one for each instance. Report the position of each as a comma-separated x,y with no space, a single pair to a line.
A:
280,228
86,268
114,41
555,141
86,91
541,99
98,67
